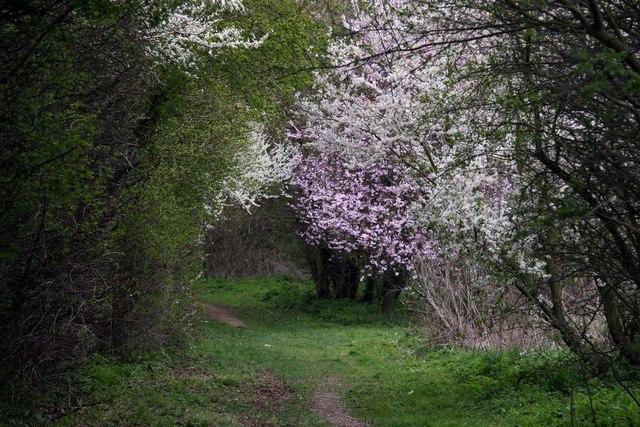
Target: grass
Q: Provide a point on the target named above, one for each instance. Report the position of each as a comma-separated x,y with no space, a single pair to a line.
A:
386,375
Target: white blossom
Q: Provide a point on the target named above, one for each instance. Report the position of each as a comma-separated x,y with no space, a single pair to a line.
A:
261,171
193,27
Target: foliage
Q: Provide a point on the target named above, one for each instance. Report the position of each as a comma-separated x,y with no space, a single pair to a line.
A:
268,78
121,138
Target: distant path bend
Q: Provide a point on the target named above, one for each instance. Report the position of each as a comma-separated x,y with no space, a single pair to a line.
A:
215,312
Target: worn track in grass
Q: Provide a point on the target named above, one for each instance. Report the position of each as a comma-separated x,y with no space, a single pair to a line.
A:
327,402
215,312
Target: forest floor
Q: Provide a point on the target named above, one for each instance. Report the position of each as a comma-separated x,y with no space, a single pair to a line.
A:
266,352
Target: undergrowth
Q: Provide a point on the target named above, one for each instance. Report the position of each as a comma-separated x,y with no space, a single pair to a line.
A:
384,372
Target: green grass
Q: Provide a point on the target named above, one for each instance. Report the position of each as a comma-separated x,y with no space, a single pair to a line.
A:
387,376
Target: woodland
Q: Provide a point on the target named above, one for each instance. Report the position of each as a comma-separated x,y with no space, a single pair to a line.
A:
467,170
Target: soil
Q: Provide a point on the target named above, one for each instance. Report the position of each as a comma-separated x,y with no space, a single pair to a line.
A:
215,312
269,395
328,405
187,372
270,392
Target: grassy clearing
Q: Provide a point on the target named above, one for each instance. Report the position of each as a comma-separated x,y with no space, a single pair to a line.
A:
266,373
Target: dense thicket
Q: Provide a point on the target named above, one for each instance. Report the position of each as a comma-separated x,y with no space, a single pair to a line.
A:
120,133
574,102
77,106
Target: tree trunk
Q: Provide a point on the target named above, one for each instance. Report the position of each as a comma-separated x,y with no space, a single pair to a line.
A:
390,290
568,332
344,274
388,300
318,257
623,332
369,290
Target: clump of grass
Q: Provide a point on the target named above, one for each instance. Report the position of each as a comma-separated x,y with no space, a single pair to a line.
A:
508,380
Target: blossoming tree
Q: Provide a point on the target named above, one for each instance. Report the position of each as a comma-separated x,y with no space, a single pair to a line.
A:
388,111
499,161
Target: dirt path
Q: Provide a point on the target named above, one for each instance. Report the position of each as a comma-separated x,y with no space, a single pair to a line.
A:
328,405
215,312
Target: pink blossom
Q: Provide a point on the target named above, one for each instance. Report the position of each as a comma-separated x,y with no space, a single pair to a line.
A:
363,209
